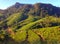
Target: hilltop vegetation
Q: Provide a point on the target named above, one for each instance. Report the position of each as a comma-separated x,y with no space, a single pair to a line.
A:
30,24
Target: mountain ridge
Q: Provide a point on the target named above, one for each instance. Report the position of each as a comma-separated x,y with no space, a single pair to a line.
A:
33,9
17,3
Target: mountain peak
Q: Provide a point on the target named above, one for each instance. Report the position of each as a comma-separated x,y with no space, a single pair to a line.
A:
17,3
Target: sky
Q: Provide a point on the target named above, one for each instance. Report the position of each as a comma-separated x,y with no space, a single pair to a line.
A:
6,3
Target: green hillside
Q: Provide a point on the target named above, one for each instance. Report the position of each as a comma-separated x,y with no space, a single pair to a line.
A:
30,24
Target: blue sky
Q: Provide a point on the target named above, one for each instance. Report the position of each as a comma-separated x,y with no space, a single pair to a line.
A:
6,3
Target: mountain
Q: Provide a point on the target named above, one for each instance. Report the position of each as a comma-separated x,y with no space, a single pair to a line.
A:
44,8
30,24
1,11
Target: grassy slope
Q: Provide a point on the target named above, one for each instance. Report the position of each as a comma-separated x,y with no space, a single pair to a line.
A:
51,34
14,19
33,37
51,19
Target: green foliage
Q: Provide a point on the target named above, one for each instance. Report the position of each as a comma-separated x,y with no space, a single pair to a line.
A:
30,25
2,34
51,34
19,36
33,38
15,18
34,26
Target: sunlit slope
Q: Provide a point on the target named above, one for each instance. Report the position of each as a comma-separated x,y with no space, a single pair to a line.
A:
29,20
15,18
50,34
33,38
44,22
